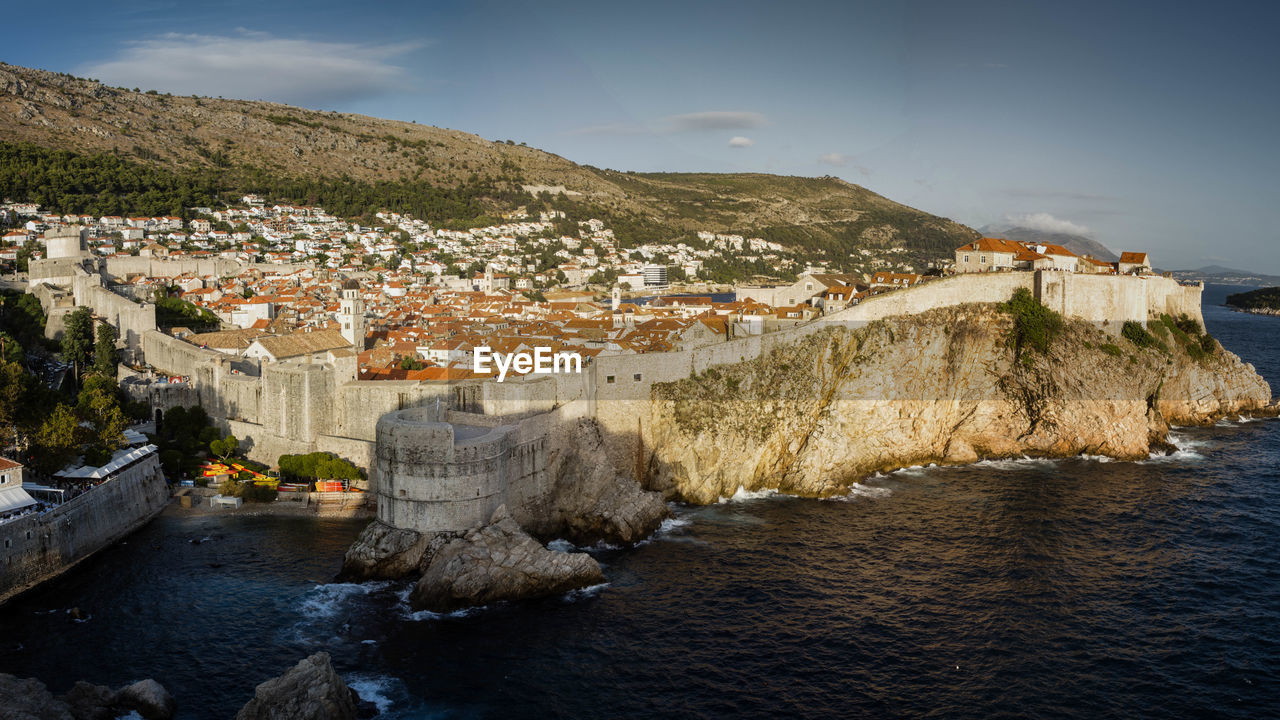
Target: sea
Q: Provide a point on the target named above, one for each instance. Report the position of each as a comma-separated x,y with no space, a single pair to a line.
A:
1080,588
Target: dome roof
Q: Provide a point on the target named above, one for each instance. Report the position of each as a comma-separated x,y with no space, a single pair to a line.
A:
350,284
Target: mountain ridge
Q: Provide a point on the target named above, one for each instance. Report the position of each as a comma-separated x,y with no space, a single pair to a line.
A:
826,215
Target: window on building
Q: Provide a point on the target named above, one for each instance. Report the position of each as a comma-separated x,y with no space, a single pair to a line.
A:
966,258
636,377
609,379
982,259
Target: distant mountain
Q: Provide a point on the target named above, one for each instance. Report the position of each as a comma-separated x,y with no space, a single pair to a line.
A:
1078,244
355,164
1220,275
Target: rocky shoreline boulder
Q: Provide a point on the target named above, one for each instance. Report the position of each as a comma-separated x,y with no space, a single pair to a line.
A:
499,562
310,690
29,699
383,552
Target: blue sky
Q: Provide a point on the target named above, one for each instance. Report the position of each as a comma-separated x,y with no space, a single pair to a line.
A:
1149,126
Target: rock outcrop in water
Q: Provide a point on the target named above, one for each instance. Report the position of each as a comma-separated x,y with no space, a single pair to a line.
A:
29,699
310,690
499,562
591,502
945,386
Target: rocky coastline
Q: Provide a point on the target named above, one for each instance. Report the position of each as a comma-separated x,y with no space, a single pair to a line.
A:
22,698
1258,311
947,387
811,418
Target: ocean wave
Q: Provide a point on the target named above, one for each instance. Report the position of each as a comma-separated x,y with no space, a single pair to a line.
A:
376,689
672,524
561,545
858,491
589,591
328,599
1017,463
1188,448
742,494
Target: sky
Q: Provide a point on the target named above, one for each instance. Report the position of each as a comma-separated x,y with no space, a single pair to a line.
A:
1147,126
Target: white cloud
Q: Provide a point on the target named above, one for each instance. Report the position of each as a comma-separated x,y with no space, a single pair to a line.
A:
714,120
740,142
255,65
834,159
1048,223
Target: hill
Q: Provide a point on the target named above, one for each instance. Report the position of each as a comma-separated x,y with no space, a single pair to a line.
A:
192,148
1078,244
1262,300
1226,276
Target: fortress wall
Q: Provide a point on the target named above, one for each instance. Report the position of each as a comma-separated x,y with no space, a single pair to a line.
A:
260,445
1166,295
297,400
36,548
119,268
519,396
238,397
173,356
359,404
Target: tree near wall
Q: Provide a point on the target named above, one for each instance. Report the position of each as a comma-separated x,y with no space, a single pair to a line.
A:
105,355
77,339
57,440
225,447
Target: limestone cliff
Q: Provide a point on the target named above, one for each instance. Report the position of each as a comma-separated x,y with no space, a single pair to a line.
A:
944,386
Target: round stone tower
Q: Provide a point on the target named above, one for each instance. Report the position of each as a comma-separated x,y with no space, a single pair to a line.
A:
439,477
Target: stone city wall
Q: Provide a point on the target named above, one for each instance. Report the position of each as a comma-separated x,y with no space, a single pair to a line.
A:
36,548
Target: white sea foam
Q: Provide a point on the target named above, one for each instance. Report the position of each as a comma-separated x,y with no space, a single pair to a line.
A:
328,599
742,494
858,491
1016,463
373,688
583,593
672,524
561,545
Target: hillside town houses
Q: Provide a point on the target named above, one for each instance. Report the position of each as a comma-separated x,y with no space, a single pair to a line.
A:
411,301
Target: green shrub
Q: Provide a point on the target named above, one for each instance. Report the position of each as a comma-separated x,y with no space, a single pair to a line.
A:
1034,325
1138,335
1111,349
1188,325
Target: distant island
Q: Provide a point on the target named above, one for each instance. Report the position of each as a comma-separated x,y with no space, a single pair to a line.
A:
1263,301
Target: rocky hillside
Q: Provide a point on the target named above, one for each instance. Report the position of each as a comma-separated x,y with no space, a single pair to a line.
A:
54,110
940,387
